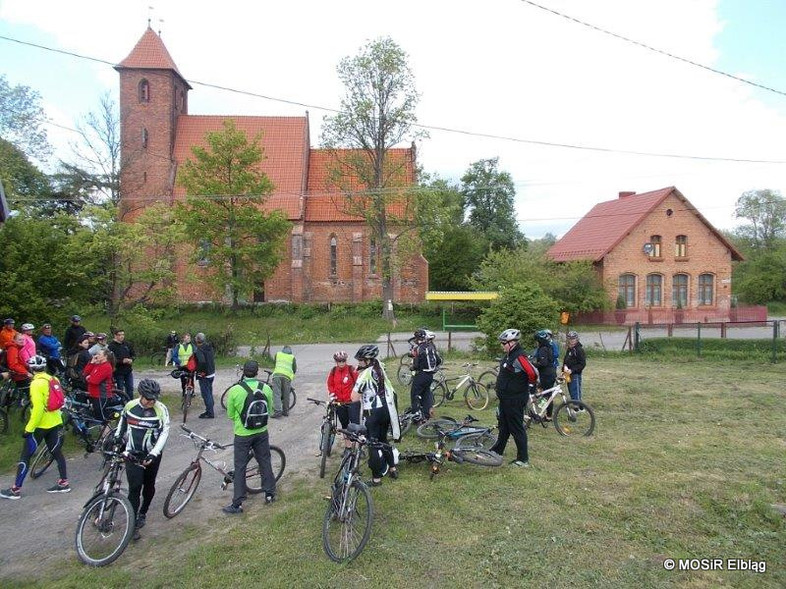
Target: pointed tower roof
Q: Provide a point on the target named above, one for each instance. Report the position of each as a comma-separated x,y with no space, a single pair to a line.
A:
150,53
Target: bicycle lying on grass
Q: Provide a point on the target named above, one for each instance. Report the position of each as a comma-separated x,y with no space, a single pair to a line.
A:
184,487
471,445
349,516
476,396
107,521
571,418
268,374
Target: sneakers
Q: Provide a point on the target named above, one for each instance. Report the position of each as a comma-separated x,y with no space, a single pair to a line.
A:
206,415
141,520
277,414
393,474
136,535
269,498
232,509
520,464
374,483
11,493
60,487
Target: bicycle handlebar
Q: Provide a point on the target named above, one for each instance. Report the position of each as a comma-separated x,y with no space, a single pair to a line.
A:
208,443
361,438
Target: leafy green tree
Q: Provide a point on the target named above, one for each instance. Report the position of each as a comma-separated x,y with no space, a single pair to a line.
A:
26,187
522,306
136,259
574,285
489,195
377,113
22,119
222,218
458,256
44,266
761,278
765,211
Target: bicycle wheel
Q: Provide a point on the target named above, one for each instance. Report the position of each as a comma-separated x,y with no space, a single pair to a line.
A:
224,397
157,358
325,445
479,456
347,524
404,375
292,398
439,391
3,421
430,430
278,462
476,396
104,529
186,402
182,490
40,460
482,441
488,379
574,418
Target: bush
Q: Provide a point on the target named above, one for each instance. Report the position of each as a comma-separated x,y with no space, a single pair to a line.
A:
522,306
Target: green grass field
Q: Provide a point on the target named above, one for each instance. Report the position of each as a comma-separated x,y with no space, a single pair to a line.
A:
687,461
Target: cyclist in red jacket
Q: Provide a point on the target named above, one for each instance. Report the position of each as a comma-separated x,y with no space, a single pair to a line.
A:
340,381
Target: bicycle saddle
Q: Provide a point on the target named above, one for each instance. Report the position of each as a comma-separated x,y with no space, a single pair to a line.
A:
357,429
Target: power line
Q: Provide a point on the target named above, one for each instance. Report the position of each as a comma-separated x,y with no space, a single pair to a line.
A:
655,49
435,127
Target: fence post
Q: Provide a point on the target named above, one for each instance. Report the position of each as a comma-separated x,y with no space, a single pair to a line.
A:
449,340
636,337
698,338
774,341
723,330
670,330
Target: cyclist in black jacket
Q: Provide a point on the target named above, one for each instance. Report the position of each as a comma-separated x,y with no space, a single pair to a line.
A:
425,362
573,365
544,362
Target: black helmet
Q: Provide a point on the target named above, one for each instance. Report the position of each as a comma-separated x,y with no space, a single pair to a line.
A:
543,336
367,352
250,368
420,334
149,389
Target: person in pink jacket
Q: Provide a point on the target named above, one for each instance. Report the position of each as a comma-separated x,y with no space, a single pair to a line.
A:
28,348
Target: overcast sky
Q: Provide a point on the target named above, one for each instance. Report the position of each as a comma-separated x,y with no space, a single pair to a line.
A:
499,67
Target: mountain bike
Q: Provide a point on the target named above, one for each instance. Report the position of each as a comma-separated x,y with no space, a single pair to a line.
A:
571,418
405,420
476,396
187,395
346,527
327,432
464,433
268,374
470,445
107,522
184,487
488,378
158,356
13,397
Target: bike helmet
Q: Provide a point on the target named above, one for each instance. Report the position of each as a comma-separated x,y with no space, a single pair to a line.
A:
26,326
572,335
76,318
149,389
340,356
542,336
420,334
509,335
100,336
430,335
367,352
36,363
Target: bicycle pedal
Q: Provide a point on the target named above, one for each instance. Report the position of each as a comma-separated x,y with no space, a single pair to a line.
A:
224,486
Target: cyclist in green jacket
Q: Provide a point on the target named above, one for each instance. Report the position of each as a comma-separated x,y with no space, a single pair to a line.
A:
248,440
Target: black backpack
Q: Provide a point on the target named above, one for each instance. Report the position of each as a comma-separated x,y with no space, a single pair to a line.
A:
255,410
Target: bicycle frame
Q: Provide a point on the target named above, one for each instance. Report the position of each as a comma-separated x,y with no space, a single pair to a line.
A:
551,393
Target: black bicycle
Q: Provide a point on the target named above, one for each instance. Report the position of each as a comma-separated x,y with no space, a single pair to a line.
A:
107,522
327,432
268,373
346,527
13,397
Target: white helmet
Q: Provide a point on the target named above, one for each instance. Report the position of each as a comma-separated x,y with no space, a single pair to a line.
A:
36,363
26,326
509,335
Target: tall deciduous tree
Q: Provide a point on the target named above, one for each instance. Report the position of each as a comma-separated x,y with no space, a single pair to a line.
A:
26,187
765,210
377,113
489,195
22,120
222,217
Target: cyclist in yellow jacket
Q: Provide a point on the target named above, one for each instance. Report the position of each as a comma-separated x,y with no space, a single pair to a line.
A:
283,375
42,427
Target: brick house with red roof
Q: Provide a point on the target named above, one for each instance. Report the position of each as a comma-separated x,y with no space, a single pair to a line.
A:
330,254
658,253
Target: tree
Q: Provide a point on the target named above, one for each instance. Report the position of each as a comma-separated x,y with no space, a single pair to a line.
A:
489,195
377,113
94,174
521,306
26,187
766,211
222,216
22,119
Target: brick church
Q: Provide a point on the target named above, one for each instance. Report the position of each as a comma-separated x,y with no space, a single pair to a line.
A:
330,254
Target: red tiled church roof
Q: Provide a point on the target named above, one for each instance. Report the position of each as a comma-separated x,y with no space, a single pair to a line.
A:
326,202
285,143
608,223
150,53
